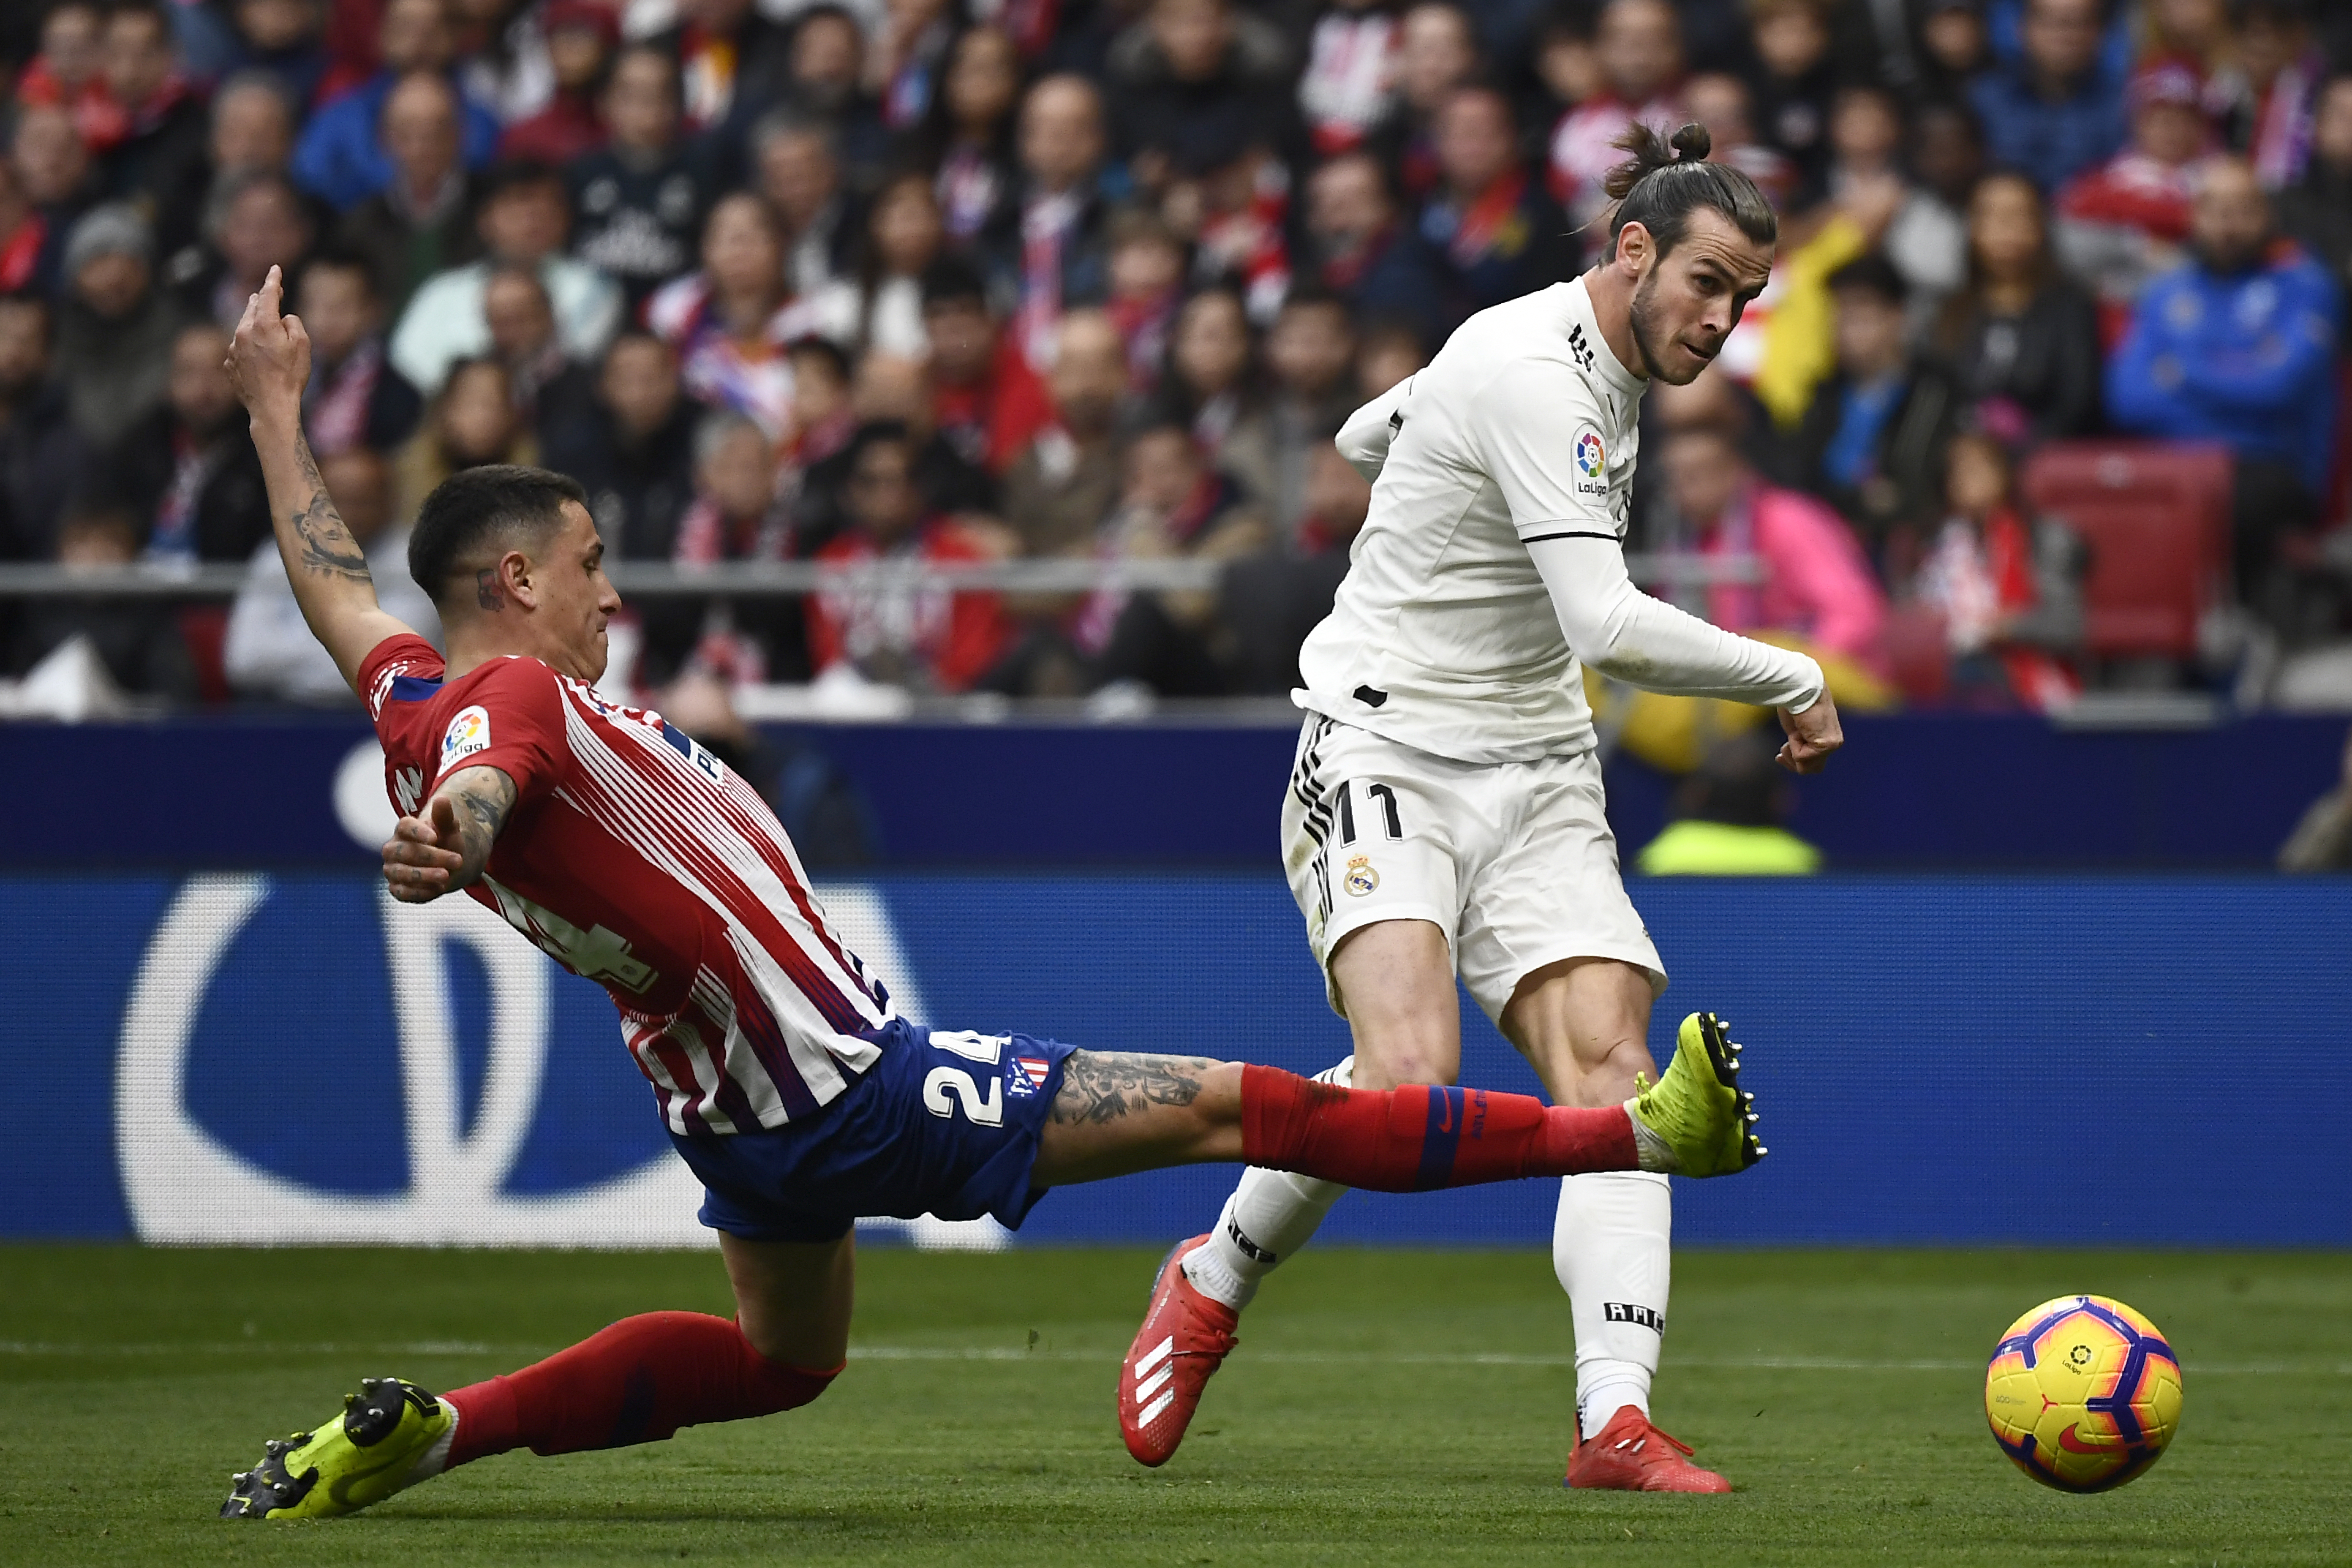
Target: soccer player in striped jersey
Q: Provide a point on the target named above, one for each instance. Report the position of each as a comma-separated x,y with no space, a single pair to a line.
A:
787,1080
1445,817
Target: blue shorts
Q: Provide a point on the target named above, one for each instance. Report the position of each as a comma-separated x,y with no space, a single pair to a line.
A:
947,1124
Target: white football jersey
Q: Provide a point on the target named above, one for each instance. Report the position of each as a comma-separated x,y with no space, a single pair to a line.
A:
1447,632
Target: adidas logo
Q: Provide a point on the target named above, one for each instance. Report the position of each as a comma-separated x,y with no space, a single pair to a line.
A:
1153,1375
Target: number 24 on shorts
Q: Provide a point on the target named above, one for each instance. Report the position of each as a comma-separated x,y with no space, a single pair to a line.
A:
947,1088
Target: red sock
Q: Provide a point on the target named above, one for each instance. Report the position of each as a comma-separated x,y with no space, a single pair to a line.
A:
1414,1139
637,1382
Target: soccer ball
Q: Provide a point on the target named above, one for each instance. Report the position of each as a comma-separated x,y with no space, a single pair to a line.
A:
2082,1393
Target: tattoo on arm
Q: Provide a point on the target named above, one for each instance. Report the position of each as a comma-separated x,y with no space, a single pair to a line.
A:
1099,1086
483,798
328,548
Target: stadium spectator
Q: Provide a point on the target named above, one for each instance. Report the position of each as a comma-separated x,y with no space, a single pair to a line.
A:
186,471
523,221
24,236
270,653
115,330
813,460
1271,451
1641,53
1051,250
879,309
282,39
345,154
2053,113
631,449
902,70
550,390
733,62
1817,584
1363,251
1211,384
69,74
257,221
2237,346
138,640
799,176
735,515
52,170
1147,290
1172,505
1193,80
1437,52
1926,239
162,149
1235,212
250,132
731,322
925,639
1722,103
968,138
1795,80
1066,479
2123,222
1496,234
987,402
471,423
1349,85
2317,210
581,37
825,83
423,220
1385,356
2023,340
2282,72
355,399
41,453
898,388
639,199
1269,602
1955,48
2009,591
1872,442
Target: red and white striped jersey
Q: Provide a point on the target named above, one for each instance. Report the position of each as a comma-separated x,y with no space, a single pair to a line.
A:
636,859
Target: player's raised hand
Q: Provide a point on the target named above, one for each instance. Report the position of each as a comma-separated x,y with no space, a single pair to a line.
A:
1813,734
269,358
422,857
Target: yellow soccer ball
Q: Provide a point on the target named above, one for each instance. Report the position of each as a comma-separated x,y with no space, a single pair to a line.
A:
2082,1393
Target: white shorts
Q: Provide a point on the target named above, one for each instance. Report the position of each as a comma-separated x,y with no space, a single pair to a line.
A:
1513,861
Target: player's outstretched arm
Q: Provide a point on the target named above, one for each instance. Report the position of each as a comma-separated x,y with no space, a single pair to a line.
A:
445,846
269,364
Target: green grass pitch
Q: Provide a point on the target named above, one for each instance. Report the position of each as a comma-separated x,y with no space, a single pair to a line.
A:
1385,1408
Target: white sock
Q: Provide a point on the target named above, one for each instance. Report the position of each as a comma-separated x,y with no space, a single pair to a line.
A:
1611,1245
1270,1215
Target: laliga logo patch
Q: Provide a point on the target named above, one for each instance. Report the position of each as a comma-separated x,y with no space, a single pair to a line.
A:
1591,458
467,733
1360,877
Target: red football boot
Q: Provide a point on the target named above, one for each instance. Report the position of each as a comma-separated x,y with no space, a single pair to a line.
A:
1183,1340
1629,1455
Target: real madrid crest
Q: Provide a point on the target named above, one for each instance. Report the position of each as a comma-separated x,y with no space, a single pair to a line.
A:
1360,877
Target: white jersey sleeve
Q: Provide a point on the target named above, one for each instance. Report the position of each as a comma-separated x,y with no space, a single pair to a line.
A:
1364,439
1544,438
1623,632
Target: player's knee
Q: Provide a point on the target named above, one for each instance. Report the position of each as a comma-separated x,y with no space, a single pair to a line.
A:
1396,1064
771,1386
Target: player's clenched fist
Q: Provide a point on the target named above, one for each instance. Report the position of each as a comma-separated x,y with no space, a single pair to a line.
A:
1813,734
269,358
417,866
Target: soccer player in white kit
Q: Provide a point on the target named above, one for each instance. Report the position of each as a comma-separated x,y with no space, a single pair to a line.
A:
1445,812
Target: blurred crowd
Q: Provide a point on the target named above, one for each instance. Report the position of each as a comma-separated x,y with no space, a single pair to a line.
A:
968,280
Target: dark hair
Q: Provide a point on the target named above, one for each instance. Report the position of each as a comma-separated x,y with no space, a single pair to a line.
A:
953,280
1872,273
1315,296
517,174
878,433
474,507
341,259
1666,180
836,363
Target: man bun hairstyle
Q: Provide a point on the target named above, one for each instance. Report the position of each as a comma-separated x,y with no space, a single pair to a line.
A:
1664,180
480,512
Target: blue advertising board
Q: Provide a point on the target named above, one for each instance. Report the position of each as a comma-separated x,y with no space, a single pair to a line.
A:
268,1057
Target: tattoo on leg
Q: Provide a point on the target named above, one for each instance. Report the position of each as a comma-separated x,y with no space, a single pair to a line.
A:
486,591
1098,1087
